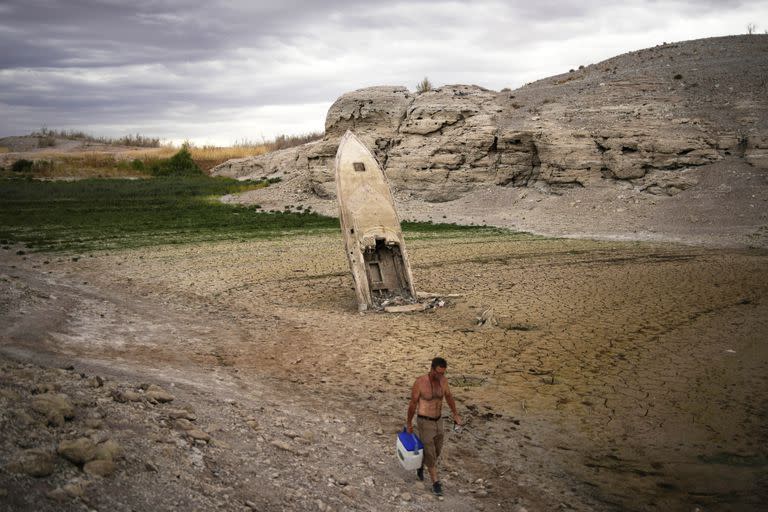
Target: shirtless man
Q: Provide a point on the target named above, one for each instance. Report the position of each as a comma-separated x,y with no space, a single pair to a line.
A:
427,397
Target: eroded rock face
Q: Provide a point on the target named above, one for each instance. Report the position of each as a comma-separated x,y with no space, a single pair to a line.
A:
629,120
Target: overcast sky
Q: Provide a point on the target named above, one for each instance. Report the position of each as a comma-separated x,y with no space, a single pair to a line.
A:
219,72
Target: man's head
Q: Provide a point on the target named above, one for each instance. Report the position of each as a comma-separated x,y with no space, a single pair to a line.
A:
439,362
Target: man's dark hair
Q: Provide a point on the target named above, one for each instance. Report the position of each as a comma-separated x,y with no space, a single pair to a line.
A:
439,362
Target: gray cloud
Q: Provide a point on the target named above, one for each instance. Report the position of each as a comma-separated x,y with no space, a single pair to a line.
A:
182,68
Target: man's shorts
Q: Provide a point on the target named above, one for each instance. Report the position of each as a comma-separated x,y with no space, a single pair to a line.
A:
431,435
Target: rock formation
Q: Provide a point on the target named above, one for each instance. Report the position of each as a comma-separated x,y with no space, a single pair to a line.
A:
643,120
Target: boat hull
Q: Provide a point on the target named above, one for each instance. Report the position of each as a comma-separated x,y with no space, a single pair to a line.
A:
373,240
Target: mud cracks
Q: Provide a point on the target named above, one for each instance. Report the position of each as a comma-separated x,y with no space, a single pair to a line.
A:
605,374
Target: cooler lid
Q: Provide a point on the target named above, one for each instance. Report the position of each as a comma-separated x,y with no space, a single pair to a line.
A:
410,442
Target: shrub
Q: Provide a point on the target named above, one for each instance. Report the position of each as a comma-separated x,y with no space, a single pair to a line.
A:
46,141
424,86
180,164
43,165
289,141
137,165
22,165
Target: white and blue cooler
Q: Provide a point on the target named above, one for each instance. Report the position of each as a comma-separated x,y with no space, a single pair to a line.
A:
410,450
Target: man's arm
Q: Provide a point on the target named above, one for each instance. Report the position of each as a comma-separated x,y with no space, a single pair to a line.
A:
452,403
415,393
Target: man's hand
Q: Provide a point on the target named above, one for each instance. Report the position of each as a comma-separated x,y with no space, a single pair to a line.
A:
456,418
410,428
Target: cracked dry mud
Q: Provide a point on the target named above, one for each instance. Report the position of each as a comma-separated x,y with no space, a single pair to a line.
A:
604,376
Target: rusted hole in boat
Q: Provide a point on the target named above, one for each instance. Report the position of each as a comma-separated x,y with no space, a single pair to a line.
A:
359,166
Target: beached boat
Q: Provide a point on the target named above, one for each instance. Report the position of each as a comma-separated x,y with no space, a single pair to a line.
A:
373,240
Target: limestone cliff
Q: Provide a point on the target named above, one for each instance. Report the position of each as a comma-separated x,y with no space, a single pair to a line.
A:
645,120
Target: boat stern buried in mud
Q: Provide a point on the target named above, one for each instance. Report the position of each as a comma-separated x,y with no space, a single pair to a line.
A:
373,240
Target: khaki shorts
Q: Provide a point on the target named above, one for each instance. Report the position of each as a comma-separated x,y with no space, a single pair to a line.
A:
431,435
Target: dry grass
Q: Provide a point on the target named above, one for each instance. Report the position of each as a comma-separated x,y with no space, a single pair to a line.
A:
119,161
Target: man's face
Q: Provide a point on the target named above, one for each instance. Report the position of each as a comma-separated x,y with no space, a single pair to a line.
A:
438,371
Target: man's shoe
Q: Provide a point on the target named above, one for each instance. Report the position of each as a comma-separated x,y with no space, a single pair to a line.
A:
420,473
437,488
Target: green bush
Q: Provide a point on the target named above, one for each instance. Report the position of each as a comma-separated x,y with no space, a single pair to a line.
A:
180,164
424,86
46,142
137,165
22,165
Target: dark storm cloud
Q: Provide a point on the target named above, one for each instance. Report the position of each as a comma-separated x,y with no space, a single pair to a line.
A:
116,64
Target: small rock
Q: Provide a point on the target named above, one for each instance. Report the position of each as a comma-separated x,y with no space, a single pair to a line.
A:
95,382
181,413
369,481
101,468
251,505
74,489
109,450
159,394
125,396
133,396
281,445
198,435
56,407
78,451
58,494
33,462
183,424
94,423
117,396
406,496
